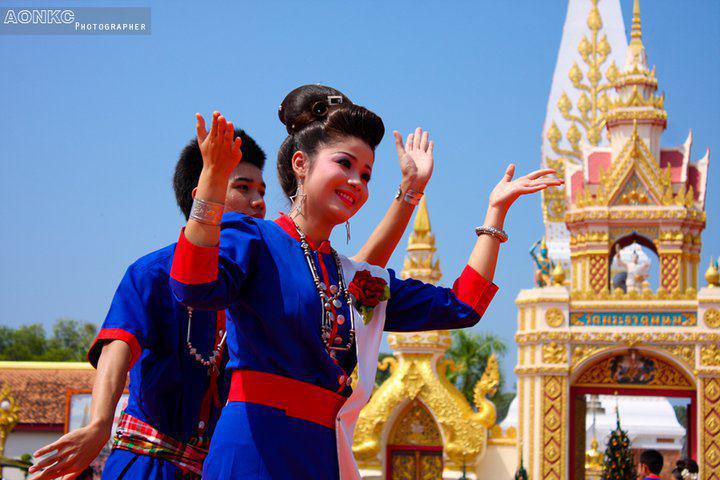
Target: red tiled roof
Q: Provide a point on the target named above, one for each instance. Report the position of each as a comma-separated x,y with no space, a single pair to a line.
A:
673,158
40,389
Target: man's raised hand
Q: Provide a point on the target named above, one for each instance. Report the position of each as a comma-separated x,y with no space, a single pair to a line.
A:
220,151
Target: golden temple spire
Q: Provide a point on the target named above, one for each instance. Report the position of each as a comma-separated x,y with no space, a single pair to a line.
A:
636,32
419,262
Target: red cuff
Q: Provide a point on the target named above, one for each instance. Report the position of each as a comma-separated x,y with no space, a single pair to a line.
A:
109,334
472,288
193,265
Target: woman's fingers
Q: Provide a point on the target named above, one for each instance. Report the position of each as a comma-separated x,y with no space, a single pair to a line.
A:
424,141
540,173
509,172
49,448
533,189
431,147
417,138
399,144
409,142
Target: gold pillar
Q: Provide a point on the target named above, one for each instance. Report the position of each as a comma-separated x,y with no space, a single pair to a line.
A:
9,417
554,441
709,422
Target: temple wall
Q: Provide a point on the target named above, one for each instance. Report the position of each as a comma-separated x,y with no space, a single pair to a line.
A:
500,461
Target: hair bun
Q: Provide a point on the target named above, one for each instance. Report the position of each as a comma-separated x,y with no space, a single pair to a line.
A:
308,104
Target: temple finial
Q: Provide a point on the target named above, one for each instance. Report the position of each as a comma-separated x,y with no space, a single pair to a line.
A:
422,219
636,32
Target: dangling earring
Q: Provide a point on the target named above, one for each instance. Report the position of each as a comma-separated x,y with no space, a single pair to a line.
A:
298,200
347,230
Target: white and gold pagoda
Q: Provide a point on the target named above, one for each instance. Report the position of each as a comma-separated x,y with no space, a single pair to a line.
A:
590,333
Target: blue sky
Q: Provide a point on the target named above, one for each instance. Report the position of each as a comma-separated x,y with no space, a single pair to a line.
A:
92,125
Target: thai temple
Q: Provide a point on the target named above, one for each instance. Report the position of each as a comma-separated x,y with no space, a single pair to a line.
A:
615,325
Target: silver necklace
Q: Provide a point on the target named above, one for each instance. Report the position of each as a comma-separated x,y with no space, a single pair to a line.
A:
212,360
330,298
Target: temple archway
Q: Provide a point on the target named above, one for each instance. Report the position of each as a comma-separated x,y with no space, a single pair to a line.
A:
415,446
644,379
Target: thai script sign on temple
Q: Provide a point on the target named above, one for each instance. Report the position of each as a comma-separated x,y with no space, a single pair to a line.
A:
633,319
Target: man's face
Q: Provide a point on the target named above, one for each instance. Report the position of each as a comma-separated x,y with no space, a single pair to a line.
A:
246,191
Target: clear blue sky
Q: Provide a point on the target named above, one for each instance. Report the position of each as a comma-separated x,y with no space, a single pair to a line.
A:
91,126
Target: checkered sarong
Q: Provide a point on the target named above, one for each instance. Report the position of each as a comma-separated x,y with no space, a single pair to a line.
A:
137,436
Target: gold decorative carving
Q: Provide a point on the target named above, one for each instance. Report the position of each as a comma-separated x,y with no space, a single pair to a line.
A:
487,385
554,353
554,411
710,424
710,355
618,295
712,317
617,338
554,317
416,376
586,116
643,371
669,271
598,272
686,353
580,353
416,426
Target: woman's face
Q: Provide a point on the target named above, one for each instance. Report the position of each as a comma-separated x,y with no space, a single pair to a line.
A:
336,184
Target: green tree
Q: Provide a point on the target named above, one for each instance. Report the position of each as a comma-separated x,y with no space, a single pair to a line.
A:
618,463
69,342
470,352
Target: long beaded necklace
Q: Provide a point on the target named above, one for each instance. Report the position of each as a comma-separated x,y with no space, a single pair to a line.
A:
328,301
211,361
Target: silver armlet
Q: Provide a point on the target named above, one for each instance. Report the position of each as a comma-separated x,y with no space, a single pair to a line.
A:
492,231
208,213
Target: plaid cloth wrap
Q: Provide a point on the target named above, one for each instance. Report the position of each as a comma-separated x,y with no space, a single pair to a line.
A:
139,437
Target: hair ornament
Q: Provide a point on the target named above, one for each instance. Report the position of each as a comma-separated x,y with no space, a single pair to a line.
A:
686,475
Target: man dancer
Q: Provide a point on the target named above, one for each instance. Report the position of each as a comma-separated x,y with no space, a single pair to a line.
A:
175,355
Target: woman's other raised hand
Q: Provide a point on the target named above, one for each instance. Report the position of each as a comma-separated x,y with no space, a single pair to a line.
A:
508,190
416,159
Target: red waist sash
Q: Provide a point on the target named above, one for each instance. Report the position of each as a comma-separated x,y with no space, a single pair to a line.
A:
298,399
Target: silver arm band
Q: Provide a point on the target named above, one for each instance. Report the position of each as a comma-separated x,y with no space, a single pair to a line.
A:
492,231
207,213
411,196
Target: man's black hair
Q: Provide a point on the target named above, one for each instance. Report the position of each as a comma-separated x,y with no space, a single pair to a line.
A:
653,460
189,166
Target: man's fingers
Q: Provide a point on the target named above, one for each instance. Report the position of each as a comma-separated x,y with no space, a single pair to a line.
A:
214,124
509,172
399,144
200,126
48,448
236,146
229,132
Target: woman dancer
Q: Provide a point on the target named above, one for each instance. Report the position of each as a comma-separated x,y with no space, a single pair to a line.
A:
301,315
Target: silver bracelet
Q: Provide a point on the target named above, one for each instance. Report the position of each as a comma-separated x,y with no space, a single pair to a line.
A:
207,213
492,231
411,196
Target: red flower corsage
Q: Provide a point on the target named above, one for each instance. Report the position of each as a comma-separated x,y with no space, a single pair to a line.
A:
368,292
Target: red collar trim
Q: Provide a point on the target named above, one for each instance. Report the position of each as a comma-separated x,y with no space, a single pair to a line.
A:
652,475
288,225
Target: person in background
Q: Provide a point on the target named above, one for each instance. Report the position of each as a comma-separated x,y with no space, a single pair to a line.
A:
650,465
685,469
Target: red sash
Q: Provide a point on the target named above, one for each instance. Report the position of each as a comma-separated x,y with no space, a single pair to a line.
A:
298,399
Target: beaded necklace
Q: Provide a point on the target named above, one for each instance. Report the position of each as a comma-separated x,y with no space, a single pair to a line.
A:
329,299
211,361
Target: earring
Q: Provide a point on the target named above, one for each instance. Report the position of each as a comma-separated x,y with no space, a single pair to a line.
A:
298,200
347,231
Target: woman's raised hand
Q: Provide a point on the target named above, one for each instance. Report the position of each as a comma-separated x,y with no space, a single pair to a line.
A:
220,152
509,190
416,159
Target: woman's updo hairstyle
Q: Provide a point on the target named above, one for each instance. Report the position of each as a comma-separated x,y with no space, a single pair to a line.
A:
317,115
